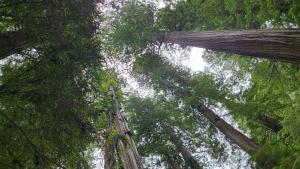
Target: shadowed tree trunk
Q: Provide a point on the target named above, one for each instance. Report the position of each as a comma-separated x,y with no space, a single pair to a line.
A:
278,45
230,132
269,122
186,154
12,43
126,146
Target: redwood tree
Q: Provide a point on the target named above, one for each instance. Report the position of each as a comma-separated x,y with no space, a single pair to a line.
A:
273,44
157,124
163,76
125,145
136,26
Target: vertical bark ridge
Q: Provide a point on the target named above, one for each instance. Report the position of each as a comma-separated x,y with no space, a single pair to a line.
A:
230,132
128,151
274,44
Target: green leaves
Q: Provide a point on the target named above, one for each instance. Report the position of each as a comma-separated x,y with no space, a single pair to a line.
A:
230,14
47,118
272,92
134,25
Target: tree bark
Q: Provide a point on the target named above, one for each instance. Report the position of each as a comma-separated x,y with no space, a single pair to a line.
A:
12,43
128,151
186,154
271,123
274,44
230,132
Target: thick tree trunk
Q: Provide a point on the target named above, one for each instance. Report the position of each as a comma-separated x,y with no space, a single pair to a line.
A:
278,45
172,163
230,132
271,123
12,43
186,154
128,151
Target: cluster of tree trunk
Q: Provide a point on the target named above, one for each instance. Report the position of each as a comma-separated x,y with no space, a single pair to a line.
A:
278,45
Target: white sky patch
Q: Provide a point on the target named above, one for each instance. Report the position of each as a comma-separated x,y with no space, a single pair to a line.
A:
133,86
190,57
98,160
195,61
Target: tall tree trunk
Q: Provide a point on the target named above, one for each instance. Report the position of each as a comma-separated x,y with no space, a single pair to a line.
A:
186,154
172,163
230,132
128,151
274,44
12,43
271,123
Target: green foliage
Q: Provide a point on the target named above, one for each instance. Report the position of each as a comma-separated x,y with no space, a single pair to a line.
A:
154,69
50,25
134,24
45,116
273,92
48,115
149,117
54,97
178,84
162,75
229,14
279,157
268,95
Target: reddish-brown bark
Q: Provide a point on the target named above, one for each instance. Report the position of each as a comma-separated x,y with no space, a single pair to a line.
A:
230,132
274,44
127,149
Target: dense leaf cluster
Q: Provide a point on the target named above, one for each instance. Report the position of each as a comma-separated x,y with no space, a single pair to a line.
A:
230,14
49,87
